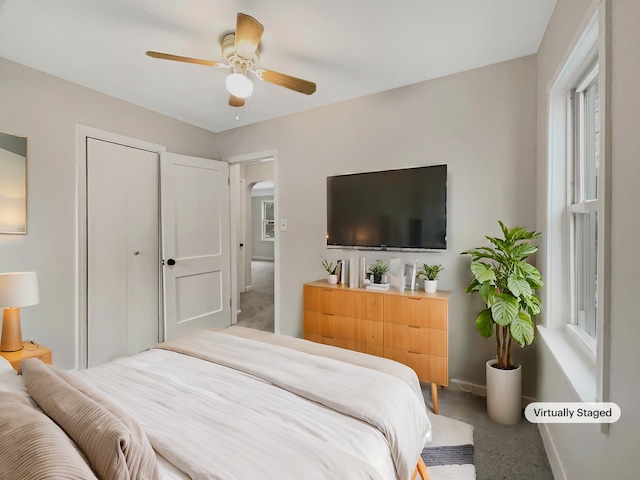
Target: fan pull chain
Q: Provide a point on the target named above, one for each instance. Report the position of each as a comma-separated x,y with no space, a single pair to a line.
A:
237,118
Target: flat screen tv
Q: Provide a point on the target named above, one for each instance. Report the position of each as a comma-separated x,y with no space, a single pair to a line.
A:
403,209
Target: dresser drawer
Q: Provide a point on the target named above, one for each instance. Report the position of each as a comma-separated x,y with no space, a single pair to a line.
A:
416,311
415,339
429,368
319,299
366,305
321,323
358,330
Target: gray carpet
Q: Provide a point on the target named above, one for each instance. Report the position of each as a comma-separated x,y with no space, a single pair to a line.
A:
256,305
501,452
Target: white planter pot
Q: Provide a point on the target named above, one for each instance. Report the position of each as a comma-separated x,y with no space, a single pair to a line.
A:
504,391
332,279
430,286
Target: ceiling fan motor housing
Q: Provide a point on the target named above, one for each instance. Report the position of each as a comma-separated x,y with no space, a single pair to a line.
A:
229,53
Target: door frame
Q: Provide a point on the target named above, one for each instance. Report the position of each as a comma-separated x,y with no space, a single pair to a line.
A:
234,163
82,133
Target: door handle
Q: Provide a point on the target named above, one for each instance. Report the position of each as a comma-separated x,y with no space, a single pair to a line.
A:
171,262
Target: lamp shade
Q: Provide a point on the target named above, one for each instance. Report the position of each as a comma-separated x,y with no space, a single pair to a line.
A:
18,289
239,85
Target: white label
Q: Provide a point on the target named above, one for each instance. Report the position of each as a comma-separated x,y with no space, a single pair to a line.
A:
572,412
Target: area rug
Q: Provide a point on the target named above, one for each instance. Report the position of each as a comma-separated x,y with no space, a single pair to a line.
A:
449,455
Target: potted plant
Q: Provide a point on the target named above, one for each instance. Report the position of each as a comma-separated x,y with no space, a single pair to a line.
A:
429,273
331,271
377,269
507,283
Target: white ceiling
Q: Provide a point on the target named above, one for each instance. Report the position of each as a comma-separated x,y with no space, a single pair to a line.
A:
350,48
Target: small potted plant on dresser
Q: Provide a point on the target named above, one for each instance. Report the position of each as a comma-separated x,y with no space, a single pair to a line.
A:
331,271
378,269
429,273
507,284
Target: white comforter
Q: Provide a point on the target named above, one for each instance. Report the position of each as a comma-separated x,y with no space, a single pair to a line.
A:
216,422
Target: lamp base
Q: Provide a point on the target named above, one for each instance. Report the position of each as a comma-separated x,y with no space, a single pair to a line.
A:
11,332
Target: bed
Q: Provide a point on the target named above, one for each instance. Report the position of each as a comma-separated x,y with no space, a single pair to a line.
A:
225,404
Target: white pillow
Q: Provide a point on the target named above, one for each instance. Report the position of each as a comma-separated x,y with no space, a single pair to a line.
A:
4,363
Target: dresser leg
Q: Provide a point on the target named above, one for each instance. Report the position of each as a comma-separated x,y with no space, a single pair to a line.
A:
434,397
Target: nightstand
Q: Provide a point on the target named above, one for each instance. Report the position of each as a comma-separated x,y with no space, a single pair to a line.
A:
30,350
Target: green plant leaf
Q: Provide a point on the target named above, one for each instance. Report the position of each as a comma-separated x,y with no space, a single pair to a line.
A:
482,252
522,329
487,292
524,250
519,286
533,304
483,272
501,244
520,233
473,287
484,323
534,282
505,308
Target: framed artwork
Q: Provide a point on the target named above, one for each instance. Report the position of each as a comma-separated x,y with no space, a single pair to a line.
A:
13,184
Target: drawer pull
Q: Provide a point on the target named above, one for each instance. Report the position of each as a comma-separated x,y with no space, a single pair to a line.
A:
414,298
414,353
413,326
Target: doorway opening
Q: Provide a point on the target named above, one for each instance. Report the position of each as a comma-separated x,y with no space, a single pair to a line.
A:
254,212
257,300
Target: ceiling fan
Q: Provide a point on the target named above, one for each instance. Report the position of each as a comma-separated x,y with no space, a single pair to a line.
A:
241,50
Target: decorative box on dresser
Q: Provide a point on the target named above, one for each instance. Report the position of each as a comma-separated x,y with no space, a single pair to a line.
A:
409,327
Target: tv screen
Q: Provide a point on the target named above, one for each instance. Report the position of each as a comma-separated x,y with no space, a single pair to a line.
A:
391,209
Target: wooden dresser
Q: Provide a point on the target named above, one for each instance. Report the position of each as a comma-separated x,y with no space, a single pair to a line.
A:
409,327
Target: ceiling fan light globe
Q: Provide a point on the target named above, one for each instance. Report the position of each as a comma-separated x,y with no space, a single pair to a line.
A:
239,85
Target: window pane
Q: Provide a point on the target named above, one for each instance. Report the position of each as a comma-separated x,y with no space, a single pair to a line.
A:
586,277
591,141
268,210
269,231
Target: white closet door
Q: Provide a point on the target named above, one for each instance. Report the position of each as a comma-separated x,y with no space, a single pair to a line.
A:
196,243
122,250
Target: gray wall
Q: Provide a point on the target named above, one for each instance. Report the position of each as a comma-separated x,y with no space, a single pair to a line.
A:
482,123
46,109
582,451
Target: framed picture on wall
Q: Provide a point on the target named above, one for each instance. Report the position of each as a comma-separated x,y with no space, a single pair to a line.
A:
13,184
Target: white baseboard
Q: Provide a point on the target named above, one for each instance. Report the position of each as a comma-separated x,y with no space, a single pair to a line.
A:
266,259
552,453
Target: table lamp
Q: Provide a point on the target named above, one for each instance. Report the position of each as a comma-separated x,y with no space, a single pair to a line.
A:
17,289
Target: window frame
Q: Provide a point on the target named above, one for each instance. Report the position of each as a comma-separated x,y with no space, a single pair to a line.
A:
266,221
576,202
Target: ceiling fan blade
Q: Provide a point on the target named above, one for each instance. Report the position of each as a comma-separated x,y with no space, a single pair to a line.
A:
178,58
236,101
248,35
286,81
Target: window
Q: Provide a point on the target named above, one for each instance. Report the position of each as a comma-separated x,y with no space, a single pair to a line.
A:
583,206
268,222
575,297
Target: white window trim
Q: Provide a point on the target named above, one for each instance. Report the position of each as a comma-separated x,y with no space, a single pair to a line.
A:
586,369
